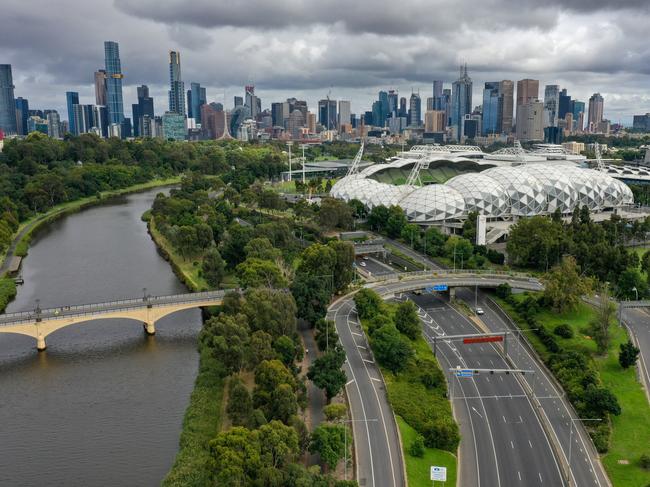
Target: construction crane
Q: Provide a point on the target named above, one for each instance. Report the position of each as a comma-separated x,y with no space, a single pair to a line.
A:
354,167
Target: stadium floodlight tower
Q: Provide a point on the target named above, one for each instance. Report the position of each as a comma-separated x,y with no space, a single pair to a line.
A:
289,144
354,167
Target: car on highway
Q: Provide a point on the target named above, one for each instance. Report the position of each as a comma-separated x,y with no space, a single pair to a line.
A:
362,264
365,257
479,310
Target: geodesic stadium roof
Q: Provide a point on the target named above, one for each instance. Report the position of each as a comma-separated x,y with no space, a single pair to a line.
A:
527,197
435,202
482,194
560,193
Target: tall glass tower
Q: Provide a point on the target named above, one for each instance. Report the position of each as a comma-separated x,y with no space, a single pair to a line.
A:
7,102
114,78
461,101
176,85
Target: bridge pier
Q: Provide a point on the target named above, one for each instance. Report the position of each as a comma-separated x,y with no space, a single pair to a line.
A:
149,328
452,294
40,343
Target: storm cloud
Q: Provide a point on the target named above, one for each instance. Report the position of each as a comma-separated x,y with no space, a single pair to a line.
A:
353,49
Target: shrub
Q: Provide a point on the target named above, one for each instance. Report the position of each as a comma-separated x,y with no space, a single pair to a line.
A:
644,461
335,411
417,447
504,291
564,331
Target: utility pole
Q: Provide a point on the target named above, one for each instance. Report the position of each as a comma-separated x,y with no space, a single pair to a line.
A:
289,144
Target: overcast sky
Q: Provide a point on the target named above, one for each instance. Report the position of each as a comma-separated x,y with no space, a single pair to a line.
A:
352,47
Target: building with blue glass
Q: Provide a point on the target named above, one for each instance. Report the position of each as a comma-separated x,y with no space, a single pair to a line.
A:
492,108
22,114
461,103
195,98
176,85
7,102
72,99
114,78
174,126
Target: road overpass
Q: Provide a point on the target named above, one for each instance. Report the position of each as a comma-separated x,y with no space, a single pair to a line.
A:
40,323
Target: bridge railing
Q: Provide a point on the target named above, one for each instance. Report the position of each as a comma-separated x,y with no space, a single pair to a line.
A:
397,276
118,305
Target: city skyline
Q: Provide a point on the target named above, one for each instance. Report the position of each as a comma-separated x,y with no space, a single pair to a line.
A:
284,60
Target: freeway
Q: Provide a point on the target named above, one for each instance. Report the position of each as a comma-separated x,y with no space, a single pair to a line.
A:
504,443
637,321
586,469
378,452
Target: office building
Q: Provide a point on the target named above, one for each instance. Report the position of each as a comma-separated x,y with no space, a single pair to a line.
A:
596,106
311,122
530,121
527,91
578,109
295,124
22,114
415,111
641,123
252,103
37,124
195,98
7,101
54,124
551,105
100,120
326,114
438,86
507,92
492,109
100,87
114,78
393,104
403,110
83,118
173,125
434,121
143,108
176,86
279,112
344,113
446,105
461,101
471,126
564,106
72,99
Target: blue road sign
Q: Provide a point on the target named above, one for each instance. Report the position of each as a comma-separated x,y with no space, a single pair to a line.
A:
464,373
440,287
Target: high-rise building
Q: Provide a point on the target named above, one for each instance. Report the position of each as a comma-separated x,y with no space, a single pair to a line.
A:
642,124
83,118
278,113
143,108
492,108
326,114
383,108
295,124
461,101
596,106
344,113
100,87
434,121
527,91
530,121
415,111
195,98
100,119
176,87
403,109
54,124
438,86
507,92
174,125
238,101
311,122
22,114
446,105
393,101
252,102
72,99
578,109
114,78
551,105
564,106
7,102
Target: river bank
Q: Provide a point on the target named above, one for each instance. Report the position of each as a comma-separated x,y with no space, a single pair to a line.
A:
202,420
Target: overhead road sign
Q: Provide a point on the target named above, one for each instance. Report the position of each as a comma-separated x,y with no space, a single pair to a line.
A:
484,339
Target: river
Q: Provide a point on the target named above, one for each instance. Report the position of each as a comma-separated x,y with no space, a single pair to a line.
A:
104,404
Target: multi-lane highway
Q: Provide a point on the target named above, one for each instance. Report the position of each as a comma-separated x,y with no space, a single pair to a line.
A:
504,443
378,451
637,321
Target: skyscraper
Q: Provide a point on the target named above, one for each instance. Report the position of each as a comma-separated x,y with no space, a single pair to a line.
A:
530,121
195,98
252,102
176,87
438,86
492,108
344,113
461,101
415,111
72,99
596,106
578,109
507,92
143,108
403,110
327,113
564,106
393,100
22,114
551,105
54,124
114,78
100,87
527,91
7,102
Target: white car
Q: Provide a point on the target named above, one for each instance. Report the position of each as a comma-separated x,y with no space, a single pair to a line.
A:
479,311
362,264
365,257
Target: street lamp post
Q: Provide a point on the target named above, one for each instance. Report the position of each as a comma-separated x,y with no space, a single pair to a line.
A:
289,144
303,147
636,291
568,474
345,440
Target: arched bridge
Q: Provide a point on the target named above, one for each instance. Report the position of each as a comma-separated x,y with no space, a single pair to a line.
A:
40,323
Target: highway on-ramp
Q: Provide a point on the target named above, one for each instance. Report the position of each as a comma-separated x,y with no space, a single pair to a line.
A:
377,446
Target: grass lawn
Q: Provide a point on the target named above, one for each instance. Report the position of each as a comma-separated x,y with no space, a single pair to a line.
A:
418,469
631,430
7,292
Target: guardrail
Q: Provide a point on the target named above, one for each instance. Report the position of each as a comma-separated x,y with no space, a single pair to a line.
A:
457,272
109,306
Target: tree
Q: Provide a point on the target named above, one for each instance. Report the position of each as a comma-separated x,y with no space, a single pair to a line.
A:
343,272
328,440
326,372
600,325
434,241
395,222
213,268
286,349
262,248
628,355
378,217
335,411
235,456
317,260
240,404
469,226
417,447
503,291
631,284
278,444
459,249
565,286
326,335
391,349
368,303
535,242
601,400
645,263
270,310
228,338
270,374
407,320
283,403
312,295
255,272
260,348
335,213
